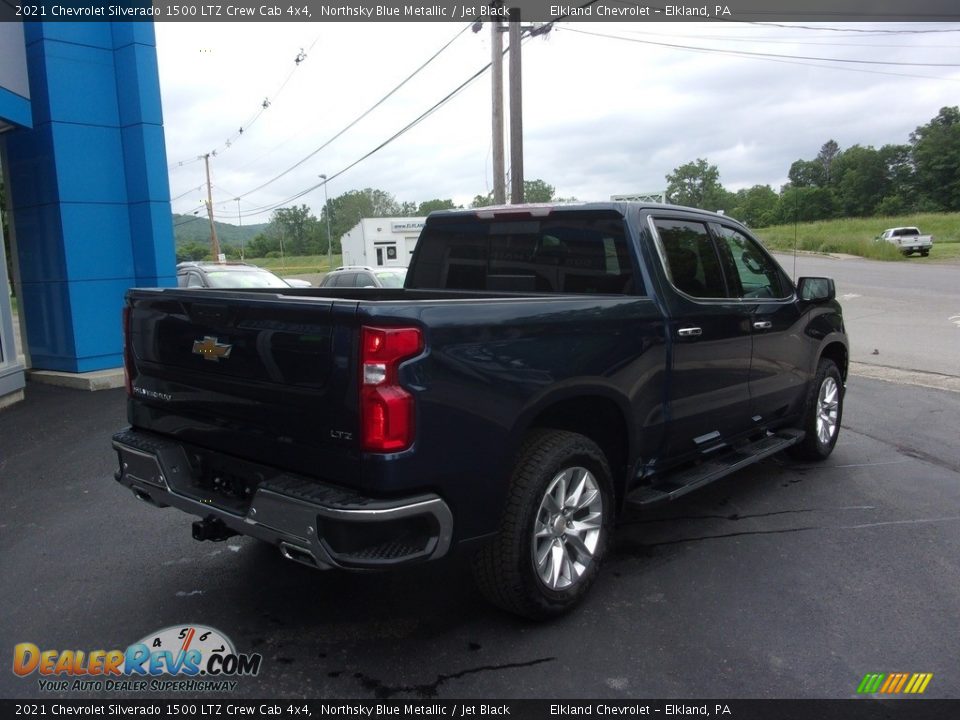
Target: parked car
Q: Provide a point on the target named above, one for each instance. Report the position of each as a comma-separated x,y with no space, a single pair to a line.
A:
365,276
542,368
908,240
230,275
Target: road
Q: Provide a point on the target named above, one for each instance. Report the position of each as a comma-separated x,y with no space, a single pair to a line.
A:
903,315
786,581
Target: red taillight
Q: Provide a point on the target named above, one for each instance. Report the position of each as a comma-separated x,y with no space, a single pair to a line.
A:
127,352
386,409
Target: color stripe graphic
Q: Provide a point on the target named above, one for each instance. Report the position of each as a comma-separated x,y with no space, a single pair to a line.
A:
894,683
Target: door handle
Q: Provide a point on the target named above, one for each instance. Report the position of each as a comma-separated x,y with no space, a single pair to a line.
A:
689,332
762,325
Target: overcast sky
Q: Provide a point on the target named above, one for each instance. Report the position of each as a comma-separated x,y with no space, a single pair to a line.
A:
602,116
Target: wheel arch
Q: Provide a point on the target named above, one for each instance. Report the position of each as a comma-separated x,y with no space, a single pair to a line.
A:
840,355
596,412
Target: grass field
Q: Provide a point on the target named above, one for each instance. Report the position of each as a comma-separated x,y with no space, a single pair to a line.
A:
855,236
303,265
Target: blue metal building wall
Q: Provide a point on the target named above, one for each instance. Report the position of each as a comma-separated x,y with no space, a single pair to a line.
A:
89,189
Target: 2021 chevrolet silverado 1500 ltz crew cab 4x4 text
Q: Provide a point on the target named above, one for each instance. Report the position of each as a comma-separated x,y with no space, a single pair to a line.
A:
542,368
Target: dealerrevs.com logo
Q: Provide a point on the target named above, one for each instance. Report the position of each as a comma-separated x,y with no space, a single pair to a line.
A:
181,658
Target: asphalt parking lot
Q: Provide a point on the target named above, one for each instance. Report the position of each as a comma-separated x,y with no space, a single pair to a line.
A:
786,581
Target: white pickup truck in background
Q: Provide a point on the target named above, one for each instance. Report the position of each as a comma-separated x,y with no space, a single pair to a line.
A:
908,240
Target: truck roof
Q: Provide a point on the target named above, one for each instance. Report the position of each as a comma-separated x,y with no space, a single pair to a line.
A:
544,209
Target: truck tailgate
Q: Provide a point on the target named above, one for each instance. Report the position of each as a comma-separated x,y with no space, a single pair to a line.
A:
255,375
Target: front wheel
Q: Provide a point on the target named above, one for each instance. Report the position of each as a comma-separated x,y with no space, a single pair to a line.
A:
554,530
822,413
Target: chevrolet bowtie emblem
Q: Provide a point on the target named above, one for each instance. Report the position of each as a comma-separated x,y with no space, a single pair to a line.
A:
211,348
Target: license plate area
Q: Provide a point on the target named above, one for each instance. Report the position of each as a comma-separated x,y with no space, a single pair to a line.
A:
224,482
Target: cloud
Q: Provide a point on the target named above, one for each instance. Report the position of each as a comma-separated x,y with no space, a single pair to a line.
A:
601,115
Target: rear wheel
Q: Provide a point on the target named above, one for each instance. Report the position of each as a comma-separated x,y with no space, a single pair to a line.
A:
822,414
925,252
555,527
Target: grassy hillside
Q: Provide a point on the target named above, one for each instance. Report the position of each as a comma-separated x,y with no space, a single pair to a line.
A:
196,228
855,236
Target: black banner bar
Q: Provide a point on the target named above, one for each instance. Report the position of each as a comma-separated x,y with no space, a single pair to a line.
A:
540,11
855,709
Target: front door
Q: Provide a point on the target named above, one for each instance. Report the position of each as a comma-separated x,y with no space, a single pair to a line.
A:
777,372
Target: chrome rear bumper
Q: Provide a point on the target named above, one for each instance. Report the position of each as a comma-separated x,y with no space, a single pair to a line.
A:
316,524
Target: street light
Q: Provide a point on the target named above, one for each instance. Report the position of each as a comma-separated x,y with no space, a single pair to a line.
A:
326,209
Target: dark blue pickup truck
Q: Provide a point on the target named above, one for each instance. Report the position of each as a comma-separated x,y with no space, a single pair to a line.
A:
543,367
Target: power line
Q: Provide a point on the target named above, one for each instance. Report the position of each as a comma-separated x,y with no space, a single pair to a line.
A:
780,40
264,105
409,126
748,53
361,116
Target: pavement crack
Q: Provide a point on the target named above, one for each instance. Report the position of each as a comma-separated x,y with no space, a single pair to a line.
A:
430,690
734,517
641,549
909,451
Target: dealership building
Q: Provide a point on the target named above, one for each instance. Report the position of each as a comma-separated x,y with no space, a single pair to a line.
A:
86,196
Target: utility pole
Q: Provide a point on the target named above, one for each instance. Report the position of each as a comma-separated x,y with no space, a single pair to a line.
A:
326,211
516,111
214,243
496,68
240,222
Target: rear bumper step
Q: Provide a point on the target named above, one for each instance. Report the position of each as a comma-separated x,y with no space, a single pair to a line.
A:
319,525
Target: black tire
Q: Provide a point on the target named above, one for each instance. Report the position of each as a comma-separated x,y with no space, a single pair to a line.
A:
924,253
822,414
506,569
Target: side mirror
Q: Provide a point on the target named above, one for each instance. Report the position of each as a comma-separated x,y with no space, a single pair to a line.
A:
816,289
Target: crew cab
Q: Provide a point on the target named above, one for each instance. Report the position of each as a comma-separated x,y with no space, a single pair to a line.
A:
543,368
908,240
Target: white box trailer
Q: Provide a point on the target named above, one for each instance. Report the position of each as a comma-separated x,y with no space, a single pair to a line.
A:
381,242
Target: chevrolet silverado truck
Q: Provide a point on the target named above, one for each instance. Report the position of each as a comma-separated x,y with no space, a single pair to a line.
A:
908,240
543,368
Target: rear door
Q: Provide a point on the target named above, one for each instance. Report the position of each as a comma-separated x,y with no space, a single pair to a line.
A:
709,391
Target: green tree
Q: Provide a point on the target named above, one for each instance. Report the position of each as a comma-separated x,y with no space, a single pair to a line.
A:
260,245
534,191
859,179
348,209
538,191
756,206
829,152
803,204
298,228
428,206
192,251
482,200
936,157
697,184
806,173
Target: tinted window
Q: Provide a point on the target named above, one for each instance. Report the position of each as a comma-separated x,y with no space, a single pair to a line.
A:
749,267
347,279
692,262
229,278
391,278
568,252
